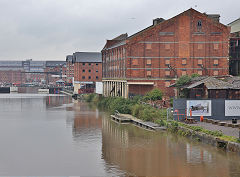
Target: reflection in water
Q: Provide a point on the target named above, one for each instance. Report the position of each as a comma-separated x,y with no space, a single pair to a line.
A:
55,135
143,153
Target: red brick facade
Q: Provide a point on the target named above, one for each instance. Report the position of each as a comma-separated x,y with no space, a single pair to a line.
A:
12,77
88,72
188,43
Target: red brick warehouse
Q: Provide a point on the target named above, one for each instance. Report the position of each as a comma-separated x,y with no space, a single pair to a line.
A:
87,71
191,42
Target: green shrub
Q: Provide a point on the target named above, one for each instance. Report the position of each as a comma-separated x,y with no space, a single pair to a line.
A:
136,109
153,95
183,80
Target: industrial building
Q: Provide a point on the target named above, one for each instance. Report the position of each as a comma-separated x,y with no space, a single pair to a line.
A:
234,48
191,42
87,71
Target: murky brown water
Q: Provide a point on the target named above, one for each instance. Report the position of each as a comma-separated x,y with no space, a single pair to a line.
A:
56,136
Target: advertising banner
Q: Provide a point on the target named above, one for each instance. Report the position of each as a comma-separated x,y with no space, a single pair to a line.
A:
199,107
232,107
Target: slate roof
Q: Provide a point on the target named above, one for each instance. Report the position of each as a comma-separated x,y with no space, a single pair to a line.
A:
211,83
69,58
88,57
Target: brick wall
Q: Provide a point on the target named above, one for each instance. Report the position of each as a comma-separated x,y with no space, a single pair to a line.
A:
88,72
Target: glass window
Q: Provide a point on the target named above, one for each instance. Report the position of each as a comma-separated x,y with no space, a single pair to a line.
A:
83,64
96,77
83,77
83,70
89,64
96,71
96,64
89,77
89,70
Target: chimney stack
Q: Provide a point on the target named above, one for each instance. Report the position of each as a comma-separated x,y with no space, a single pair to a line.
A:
157,21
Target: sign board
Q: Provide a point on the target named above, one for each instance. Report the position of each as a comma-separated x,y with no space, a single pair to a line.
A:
99,87
199,107
232,107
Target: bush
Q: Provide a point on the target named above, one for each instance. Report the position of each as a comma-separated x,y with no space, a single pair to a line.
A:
183,80
154,95
89,97
136,109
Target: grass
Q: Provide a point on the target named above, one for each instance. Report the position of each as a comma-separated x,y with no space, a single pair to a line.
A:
148,113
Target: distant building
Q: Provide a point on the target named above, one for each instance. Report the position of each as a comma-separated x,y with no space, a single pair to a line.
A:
57,72
11,72
87,71
234,48
191,42
70,68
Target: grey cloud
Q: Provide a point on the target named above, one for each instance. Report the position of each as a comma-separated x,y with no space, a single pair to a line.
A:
51,29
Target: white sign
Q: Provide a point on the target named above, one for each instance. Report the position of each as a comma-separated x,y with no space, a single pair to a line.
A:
232,107
199,107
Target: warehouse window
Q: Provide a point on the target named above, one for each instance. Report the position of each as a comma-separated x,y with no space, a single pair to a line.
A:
148,46
167,73
215,46
167,46
149,73
167,83
89,70
200,46
200,72
83,77
149,61
200,62
134,61
215,62
89,77
215,72
167,61
97,77
83,70
184,61
184,72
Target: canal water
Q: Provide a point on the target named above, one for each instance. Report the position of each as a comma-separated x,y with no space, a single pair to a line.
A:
53,135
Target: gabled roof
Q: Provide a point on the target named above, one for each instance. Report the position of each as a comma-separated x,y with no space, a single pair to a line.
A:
88,57
115,42
166,21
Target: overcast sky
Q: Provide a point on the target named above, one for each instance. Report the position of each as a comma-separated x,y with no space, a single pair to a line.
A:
52,29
